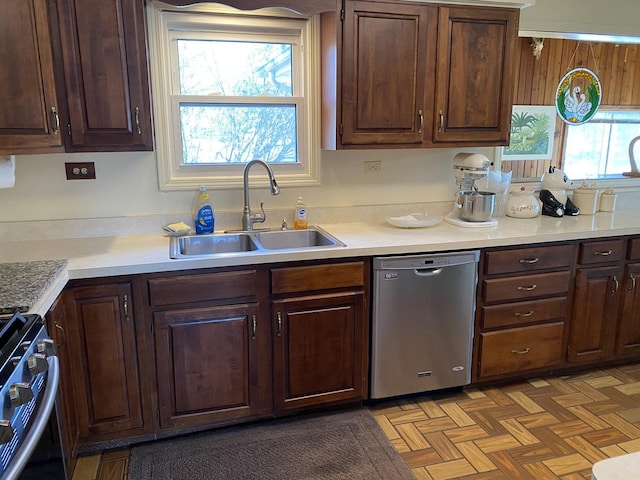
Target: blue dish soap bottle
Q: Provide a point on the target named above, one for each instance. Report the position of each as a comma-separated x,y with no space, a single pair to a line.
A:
203,218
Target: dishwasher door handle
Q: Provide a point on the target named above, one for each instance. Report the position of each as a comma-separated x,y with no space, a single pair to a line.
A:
427,272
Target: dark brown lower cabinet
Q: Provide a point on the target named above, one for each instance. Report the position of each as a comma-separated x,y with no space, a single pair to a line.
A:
213,364
628,339
100,333
595,313
318,350
68,423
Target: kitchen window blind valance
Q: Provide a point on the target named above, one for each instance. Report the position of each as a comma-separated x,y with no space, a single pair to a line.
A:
309,7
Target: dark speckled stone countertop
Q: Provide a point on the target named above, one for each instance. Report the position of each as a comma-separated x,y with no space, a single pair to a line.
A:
22,283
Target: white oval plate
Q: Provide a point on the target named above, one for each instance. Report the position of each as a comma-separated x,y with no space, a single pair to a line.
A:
415,220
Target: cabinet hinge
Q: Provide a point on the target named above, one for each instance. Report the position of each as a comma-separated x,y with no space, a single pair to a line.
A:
342,14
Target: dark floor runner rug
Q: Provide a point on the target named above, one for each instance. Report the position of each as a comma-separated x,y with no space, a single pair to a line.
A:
332,446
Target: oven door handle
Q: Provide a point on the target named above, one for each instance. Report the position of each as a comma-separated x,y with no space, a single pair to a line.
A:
34,433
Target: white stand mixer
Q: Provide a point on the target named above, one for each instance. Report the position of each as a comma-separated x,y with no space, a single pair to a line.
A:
469,168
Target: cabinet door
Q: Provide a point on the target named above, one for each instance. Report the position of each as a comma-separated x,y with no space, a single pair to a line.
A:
476,60
104,50
595,313
101,337
388,53
29,115
318,350
628,340
213,364
68,423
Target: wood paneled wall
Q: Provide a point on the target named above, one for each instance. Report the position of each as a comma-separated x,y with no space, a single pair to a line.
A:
536,80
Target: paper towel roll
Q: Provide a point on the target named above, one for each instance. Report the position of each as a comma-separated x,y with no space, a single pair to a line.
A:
7,171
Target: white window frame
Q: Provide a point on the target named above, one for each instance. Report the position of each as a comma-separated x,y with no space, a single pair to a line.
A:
608,124
164,21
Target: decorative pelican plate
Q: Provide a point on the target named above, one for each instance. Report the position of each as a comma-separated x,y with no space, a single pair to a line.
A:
578,96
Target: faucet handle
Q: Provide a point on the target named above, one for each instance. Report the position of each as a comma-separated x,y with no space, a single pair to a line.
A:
284,224
259,217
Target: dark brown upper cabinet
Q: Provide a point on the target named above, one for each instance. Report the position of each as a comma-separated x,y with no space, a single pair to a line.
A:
477,48
105,63
29,107
402,74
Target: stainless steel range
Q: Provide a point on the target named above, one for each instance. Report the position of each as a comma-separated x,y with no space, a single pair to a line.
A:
29,377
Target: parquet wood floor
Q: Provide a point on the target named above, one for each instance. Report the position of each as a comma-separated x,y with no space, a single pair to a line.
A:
541,429
544,429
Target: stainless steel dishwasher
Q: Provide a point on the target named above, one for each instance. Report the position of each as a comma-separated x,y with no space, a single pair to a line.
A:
423,314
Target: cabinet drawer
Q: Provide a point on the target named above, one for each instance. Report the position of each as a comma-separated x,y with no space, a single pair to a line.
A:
202,287
518,349
601,252
512,314
528,259
634,249
317,277
525,286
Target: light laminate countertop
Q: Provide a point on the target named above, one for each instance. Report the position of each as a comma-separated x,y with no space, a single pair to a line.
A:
125,255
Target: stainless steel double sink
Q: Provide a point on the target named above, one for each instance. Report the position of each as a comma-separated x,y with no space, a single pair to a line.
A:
220,244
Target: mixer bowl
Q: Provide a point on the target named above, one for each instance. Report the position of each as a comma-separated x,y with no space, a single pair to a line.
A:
475,206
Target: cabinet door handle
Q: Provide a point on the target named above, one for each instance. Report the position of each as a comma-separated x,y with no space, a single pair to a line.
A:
603,254
137,119
420,121
63,334
279,330
528,289
615,283
527,314
632,276
528,261
56,120
125,306
521,352
253,327
441,125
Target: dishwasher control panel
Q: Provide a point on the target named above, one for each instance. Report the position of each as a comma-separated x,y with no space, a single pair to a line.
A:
425,261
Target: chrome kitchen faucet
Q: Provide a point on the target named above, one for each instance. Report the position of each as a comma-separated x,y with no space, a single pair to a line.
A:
247,218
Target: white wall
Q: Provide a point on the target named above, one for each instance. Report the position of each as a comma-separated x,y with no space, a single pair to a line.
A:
127,185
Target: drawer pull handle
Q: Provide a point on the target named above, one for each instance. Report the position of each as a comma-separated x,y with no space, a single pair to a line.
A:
632,276
279,330
421,120
528,289
603,254
527,314
521,352
528,261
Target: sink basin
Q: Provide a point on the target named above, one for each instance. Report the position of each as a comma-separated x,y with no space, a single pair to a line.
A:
282,239
247,242
193,245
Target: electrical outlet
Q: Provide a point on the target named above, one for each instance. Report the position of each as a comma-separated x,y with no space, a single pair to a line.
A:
80,171
373,166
